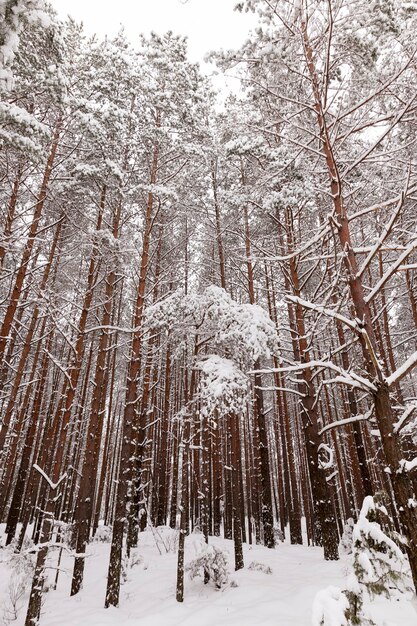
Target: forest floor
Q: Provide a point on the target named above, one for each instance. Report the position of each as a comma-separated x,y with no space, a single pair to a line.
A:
281,598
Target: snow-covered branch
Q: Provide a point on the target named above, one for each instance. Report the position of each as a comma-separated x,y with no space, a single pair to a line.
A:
391,270
402,371
329,463
349,378
51,484
404,417
407,466
353,325
348,420
14,16
283,389
379,206
386,231
325,311
286,257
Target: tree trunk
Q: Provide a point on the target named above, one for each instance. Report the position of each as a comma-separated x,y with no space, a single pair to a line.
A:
383,408
27,251
129,417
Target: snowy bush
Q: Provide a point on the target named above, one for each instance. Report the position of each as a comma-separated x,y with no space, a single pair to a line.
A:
166,539
347,537
329,607
135,558
378,566
260,567
378,563
278,535
170,540
21,565
103,534
211,563
65,533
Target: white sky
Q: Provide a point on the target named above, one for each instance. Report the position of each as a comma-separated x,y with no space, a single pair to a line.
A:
209,24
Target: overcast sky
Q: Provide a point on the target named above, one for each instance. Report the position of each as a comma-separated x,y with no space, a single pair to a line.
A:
209,24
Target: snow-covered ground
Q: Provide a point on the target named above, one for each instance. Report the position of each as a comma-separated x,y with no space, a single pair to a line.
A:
283,598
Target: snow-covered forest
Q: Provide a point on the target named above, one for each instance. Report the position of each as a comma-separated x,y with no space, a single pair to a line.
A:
208,311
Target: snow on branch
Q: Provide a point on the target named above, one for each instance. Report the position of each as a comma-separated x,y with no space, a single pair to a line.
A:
52,485
362,157
325,311
13,18
330,461
408,411
286,257
56,544
407,466
408,267
342,380
223,386
353,325
243,330
284,389
113,329
348,378
58,365
391,270
348,420
380,205
386,231
168,312
240,330
402,371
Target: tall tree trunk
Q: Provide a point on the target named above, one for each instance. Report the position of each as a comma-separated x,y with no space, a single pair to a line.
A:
130,416
85,500
236,496
259,409
28,342
27,251
325,522
7,231
384,414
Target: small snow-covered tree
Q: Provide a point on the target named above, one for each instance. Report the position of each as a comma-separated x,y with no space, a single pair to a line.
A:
329,607
378,566
223,392
212,563
378,563
347,536
21,567
238,335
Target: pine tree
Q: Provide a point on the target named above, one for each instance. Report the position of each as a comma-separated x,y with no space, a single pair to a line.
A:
378,563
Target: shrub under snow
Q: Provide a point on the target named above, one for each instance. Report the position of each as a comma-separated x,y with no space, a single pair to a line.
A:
378,566
103,534
212,563
346,541
329,607
21,566
260,567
